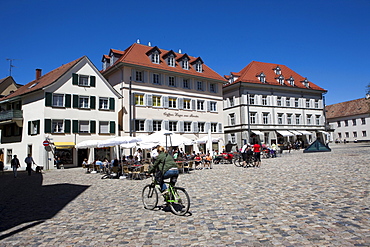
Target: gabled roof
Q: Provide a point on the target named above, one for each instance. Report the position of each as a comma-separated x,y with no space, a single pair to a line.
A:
250,74
348,108
136,54
43,81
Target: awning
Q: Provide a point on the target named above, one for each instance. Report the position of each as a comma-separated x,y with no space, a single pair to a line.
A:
326,133
61,145
295,132
284,133
304,132
257,132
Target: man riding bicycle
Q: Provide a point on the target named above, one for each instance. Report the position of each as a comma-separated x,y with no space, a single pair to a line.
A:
165,167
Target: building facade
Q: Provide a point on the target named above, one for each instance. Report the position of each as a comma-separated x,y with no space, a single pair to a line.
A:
166,90
350,121
68,105
270,103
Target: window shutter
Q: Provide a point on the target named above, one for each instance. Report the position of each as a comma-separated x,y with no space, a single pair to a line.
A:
67,101
160,79
165,124
74,126
148,126
92,126
112,127
193,104
67,126
48,99
133,75
92,102
74,79
208,105
181,126
165,101
219,127
195,127
180,102
145,75
149,100
92,81
75,101
29,127
207,126
111,104
47,126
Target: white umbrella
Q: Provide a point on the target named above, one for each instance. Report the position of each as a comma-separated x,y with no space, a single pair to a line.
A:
87,144
118,141
159,138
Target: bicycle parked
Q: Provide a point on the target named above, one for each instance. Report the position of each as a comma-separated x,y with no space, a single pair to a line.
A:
238,160
177,199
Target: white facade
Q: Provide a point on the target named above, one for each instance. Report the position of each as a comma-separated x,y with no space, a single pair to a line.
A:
350,128
62,113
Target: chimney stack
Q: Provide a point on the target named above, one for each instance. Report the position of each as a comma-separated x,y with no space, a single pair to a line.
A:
38,74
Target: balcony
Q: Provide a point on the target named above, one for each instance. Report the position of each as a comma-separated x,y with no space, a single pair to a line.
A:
10,115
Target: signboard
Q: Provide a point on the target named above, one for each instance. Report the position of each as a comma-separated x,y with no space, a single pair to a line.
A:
46,143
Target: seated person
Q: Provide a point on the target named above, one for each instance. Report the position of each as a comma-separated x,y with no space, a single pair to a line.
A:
198,161
207,161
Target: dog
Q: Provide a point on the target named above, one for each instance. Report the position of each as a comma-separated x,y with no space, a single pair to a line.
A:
39,169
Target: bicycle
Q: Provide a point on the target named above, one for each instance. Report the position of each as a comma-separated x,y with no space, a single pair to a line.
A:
238,160
177,199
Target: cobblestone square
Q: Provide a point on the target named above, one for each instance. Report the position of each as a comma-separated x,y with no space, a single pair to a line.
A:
298,199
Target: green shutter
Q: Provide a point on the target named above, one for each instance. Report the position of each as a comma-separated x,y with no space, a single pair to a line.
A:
48,99
92,126
67,126
92,102
112,127
29,127
74,79
47,126
67,101
92,81
75,101
74,126
111,104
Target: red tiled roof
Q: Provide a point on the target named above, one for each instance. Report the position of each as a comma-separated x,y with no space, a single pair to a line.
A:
44,80
136,54
251,71
348,108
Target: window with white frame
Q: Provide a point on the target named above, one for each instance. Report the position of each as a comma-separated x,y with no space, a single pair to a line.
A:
171,61
346,123
232,119
104,127
155,57
200,86
103,103
172,102
156,79
157,125
57,126
83,80
279,101
306,83
213,106
280,79
252,117
198,67
200,105
251,99
354,134
172,125
58,100
291,81
280,118
338,124
186,83
309,119
187,126
35,125
316,104
307,103
262,77
354,123
138,75
298,119
364,134
83,126
139,125
318,119
201,127
139,99
264,100
287,101
171,81
265,117
185,63
213,88
214,127
296,102
339,135
83,101
346,134
156,100
187,104
277,70
231,100
363,121
289,119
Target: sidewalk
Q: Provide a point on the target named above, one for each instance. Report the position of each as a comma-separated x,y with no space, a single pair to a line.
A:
311,199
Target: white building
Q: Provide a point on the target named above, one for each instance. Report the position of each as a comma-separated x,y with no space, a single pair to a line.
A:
68,105
166,90
350,121
269,103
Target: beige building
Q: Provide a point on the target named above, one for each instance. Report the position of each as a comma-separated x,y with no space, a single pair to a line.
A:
166,90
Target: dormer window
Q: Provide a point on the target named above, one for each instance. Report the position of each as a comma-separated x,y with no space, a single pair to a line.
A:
306,83
277,70
170,58
185,64
171,61
262,77
155,57
291,81
280,79
198,67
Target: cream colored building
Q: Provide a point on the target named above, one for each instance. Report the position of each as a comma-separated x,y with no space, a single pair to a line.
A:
166,90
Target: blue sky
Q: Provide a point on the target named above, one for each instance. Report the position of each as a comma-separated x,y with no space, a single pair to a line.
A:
326,41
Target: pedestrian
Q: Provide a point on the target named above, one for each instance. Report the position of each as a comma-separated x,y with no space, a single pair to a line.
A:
29,161
257,154
1,167
14,163
59,163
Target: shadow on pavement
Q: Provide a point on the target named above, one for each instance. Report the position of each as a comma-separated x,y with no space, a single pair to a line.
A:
25,202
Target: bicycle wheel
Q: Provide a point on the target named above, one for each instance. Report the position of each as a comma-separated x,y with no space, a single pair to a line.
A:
238,161
105,176
179,201
149,197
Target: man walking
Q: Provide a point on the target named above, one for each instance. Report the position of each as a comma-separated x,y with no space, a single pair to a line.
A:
14,163
29,161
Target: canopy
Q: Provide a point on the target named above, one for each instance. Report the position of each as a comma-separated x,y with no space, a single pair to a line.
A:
295,132
257,132
62,145
285,133
305,132
87,144
206,139
159,138
115,141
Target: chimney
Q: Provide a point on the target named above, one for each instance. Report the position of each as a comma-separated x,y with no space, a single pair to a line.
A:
38,74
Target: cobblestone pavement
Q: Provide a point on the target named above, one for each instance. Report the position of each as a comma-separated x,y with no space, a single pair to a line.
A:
298,199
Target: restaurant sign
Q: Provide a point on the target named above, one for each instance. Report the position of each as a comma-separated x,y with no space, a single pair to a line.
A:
176,114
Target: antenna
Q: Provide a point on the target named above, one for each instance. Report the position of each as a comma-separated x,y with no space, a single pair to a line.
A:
11,65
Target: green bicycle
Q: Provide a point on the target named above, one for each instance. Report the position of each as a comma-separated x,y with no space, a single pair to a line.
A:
177,199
